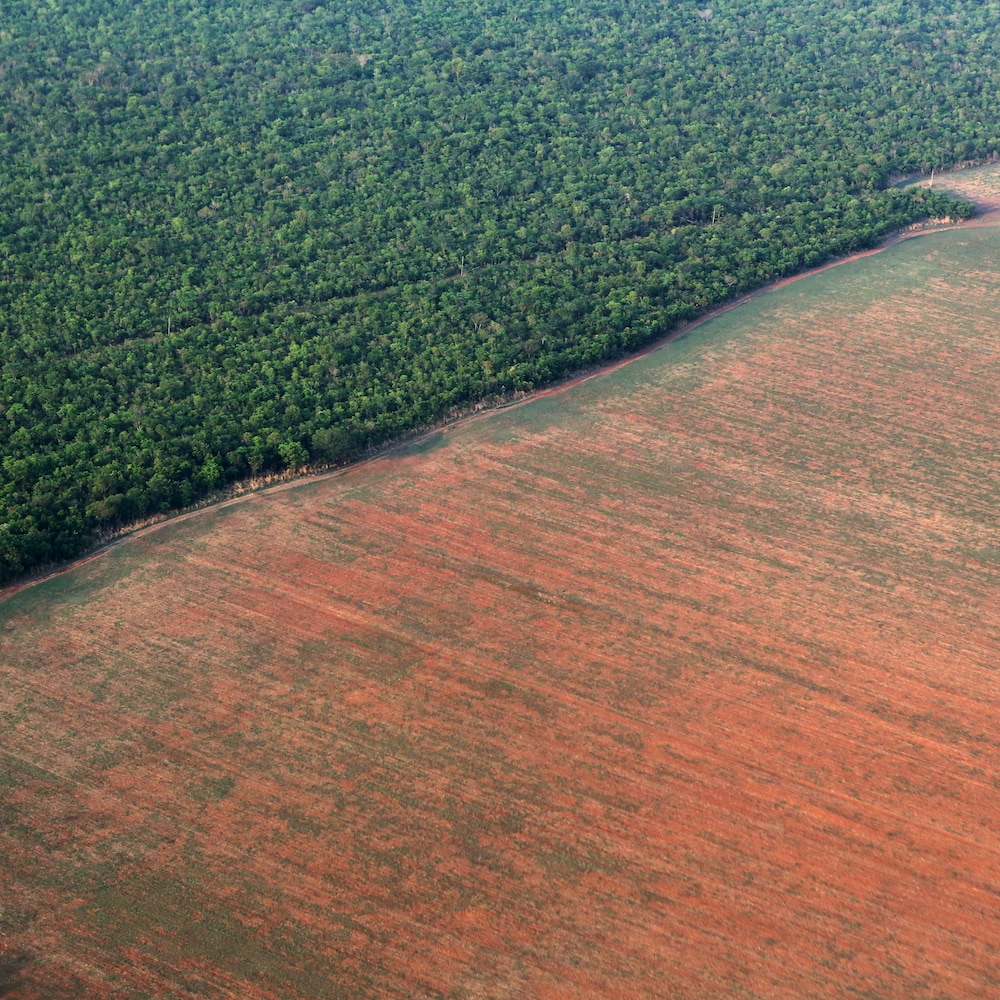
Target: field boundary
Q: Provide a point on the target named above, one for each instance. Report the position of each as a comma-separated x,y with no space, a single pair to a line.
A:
989,217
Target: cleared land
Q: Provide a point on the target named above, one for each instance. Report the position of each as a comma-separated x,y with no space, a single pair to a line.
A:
679,683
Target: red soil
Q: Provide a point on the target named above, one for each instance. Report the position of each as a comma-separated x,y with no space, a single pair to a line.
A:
679,684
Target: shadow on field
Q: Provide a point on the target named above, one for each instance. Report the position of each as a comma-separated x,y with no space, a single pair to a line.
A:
11,967
425,444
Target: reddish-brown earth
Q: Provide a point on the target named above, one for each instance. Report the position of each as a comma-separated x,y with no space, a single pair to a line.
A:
680,683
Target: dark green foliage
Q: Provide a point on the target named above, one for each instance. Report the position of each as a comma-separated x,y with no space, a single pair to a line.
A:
240,233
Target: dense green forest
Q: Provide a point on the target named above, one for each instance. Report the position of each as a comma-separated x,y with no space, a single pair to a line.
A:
240,235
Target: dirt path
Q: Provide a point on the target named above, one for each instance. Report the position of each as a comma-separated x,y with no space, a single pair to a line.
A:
989,209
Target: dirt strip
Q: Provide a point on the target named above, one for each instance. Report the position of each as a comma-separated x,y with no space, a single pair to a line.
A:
989,216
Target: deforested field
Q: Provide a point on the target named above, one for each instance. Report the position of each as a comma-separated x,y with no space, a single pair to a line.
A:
680,682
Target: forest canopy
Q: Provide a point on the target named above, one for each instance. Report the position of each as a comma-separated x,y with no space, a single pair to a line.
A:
242,235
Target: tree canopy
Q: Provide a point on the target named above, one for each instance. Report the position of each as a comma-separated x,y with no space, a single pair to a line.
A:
240,235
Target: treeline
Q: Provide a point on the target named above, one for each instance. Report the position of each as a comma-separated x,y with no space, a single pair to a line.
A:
239,235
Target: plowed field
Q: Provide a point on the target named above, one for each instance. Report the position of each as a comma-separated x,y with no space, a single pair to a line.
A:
681,682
